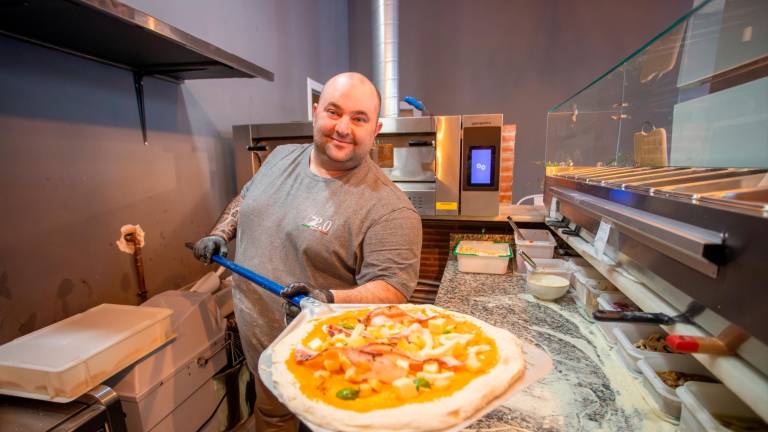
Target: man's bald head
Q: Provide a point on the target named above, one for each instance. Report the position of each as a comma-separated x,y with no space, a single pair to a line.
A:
351,79
345,122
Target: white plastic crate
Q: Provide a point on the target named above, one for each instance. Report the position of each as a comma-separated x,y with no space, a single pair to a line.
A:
590,277
66,359
476,256
627,335
537,244
588,287
664,397
703,403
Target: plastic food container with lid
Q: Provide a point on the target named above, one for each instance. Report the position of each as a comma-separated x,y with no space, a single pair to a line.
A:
66,359
588,286
664,396
713,407
537,244
627,335
588,276
476,256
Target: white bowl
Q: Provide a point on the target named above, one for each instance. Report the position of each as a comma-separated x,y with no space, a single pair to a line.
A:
547,286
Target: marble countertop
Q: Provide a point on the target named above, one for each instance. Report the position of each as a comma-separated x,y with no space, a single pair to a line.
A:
588,389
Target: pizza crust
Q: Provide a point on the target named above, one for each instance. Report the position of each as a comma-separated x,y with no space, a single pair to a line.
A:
434,415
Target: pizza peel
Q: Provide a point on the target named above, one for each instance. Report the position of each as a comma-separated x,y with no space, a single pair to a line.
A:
537,363
264,282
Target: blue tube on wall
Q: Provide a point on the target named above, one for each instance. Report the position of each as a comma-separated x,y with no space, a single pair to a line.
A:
412,101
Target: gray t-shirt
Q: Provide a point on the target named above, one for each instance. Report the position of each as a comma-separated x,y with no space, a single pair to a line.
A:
335,233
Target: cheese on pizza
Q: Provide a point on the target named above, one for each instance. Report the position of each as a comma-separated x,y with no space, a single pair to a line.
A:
385,358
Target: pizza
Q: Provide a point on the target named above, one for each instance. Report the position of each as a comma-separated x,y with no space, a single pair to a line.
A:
397,367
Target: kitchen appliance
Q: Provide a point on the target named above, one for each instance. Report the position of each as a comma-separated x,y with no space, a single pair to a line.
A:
98,410
420,155
167,386
480,157
426,157
173,388
690,224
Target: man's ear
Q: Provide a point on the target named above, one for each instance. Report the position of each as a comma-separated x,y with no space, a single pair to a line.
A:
314,111
378,128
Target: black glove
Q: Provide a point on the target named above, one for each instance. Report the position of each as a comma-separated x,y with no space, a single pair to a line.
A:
209,246
296,288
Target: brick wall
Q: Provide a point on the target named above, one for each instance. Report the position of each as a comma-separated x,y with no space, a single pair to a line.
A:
436,242
508,135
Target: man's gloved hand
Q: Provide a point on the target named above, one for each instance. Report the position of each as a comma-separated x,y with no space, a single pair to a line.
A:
296,288
209,246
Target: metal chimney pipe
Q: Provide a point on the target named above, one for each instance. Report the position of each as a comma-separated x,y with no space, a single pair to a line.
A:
385,41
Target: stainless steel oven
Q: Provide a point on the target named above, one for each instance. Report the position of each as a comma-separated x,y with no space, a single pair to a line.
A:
446,165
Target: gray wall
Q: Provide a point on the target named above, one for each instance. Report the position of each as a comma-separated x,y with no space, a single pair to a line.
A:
74,170
516,57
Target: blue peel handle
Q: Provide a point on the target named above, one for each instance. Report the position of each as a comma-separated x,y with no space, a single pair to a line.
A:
268,284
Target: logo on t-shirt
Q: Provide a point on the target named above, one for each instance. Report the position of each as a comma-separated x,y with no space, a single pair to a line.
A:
318,224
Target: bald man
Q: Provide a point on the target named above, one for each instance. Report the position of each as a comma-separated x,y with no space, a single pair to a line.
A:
323,220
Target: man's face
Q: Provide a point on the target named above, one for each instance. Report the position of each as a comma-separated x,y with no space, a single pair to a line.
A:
345,123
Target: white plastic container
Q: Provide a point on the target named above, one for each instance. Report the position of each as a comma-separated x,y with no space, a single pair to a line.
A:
588,286
703,403
66,359
590,277
152,391
482,256
663,396
605,301
551,266
627,335
537,244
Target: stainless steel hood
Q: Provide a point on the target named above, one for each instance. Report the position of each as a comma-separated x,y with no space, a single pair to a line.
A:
111,32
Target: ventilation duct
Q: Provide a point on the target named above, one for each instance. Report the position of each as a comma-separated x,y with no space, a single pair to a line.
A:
385,74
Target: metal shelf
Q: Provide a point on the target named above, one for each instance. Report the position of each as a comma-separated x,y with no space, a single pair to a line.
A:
747,382
110,32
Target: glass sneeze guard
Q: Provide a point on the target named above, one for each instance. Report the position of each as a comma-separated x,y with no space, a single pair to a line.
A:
686,115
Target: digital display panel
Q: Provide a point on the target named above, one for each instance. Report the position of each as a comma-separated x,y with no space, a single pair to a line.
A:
481,166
